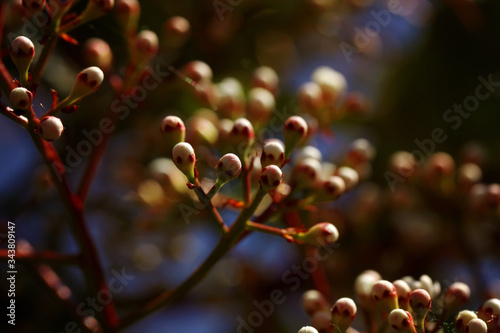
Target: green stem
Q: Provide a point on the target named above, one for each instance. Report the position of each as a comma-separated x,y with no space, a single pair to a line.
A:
419,325
226,243
253,226
210,208
171,296
247,190
213,191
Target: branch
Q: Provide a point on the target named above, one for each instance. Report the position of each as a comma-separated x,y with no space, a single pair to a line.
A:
44,256
286,234
210,208
92,267
7,112
5,77
226,243
41,63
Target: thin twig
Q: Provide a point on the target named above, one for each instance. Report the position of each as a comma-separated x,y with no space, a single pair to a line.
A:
43,256
210,208
42,61
7,112
93,270
226,243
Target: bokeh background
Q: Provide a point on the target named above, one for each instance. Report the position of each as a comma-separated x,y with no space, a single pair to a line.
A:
419,64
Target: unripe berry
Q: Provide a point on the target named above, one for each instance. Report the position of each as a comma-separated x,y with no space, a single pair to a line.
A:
455,298
294,132
401,321
185,160
21,98
96,52
242,136
145,47
463,319
127,14
357,104
231,103
363,284
349,175
310,97
440,165
225,126
476,326
307,152
361,151
198,71
331,189
313,301
403,164
176,31
200,130
468,175
50,128
308,329
261,105
385,295
425,282
33,6
492,196
207,93
489,312
420,303
319,234
22,52
173,129
404,292
343,313
273,152
333,84
265,77
87,81
270,177
306,174
228,168
321,321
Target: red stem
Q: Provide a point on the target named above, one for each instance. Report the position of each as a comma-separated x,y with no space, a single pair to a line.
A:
94,161
5,77
36,271
92,269
45,256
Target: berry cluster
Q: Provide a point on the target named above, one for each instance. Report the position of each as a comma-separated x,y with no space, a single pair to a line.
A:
404,305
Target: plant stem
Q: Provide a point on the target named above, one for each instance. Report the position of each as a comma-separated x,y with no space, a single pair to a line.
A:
7,113
266,229
170,296
210,208
226,243
44,256
419,325
92,267
36,272
94,161
5,78
41,63
247,189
